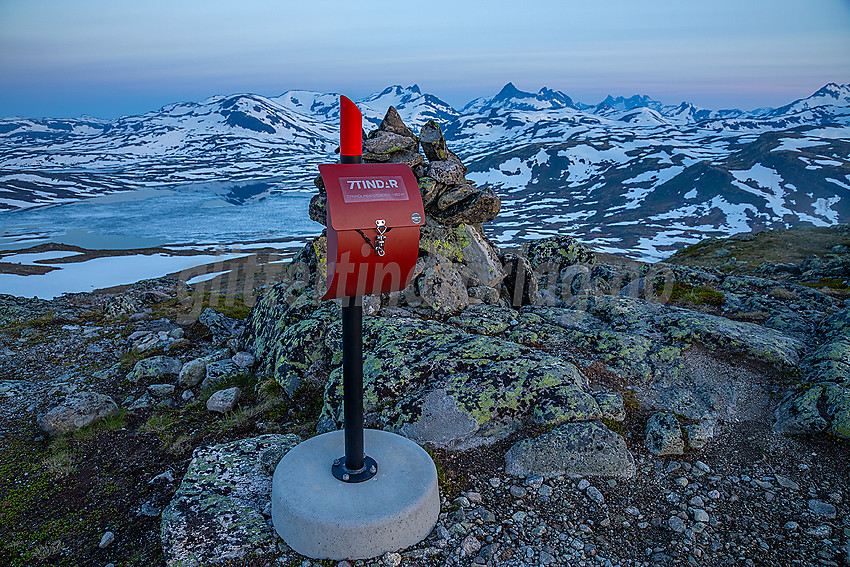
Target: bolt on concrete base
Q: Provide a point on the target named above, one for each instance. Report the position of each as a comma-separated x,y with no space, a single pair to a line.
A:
321,517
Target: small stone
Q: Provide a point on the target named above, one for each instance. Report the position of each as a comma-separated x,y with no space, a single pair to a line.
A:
106,540
224,400
676,524
534,482
161,390
583,484
518,491
632,511
824,509
820,532
148,510
546,558
167,476
176,333
702,466
791,526
786,482
594,494
696,502
701,516
682,481
545,491
392,559
77,411
474,497
714,495
469,546
461,502
187,395
494,482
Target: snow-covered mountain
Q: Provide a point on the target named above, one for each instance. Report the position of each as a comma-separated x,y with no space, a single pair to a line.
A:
626,173
511,97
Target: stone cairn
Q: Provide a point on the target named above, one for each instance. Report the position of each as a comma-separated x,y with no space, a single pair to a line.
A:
458,266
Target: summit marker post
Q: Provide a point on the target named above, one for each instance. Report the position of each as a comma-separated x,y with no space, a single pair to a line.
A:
354,508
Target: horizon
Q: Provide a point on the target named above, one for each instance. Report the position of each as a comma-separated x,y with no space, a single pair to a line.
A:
106,60
457,107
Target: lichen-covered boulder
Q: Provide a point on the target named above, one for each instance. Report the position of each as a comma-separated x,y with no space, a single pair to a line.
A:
438,384
557,251
836,402
799,413
663,435
155,367
442,287
221,326
611,405
215,517
77,411
573,449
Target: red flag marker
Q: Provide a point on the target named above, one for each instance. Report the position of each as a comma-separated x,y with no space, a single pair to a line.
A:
350,131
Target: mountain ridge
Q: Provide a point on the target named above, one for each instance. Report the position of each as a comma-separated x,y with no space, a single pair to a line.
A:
653,175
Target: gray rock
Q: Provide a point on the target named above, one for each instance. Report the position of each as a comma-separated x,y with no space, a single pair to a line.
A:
155,367
611,405
224,401
392,122
476,210
433,143
700,515
216,514
144,401
573,449
77,411
270,458
520,281
482,259
441,421
518,491
469,546
384,144
193,372
454,195
663,435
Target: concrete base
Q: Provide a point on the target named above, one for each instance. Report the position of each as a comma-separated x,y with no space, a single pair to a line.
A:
323,518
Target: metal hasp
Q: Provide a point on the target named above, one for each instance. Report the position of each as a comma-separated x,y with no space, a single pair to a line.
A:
354,466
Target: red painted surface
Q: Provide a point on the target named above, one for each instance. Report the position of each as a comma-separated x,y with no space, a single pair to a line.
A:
359,195
350,128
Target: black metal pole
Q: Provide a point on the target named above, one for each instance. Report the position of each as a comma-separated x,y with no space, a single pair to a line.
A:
354,466
352,383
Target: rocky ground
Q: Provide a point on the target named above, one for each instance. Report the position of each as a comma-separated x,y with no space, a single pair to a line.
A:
580,409
96,495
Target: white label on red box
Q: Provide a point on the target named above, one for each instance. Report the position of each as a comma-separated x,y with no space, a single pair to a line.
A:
375,188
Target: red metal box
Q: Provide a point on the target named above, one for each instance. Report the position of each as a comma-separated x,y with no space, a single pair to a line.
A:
374,214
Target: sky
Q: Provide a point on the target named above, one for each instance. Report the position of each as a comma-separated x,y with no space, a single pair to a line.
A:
107,58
